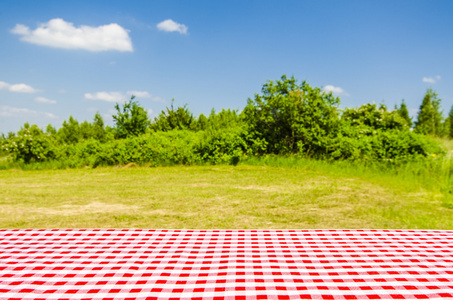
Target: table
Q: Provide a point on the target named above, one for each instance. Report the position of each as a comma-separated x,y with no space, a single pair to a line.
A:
218,264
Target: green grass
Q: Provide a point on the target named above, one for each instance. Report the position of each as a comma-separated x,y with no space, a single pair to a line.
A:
273,192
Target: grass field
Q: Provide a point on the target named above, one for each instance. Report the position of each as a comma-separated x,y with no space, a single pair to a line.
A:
210,197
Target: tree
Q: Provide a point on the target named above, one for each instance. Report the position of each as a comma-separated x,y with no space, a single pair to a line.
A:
179,119
130,120
51,130
292,117
449,123
226,118
404,113
202,122
69,133
31,144
369,115
429,119
98,128
86,130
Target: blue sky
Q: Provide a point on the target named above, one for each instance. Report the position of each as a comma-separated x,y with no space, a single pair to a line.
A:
61,58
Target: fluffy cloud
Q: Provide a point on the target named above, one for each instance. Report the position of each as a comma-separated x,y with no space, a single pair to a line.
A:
139,94
335,90
4,85
18,88
146,95
121,97
22,88
58,33
45,100
8,111
431,79
106,96
171,26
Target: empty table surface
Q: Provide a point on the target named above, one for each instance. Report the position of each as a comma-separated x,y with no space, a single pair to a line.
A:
217,264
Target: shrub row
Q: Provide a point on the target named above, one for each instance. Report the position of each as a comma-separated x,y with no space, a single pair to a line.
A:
216,147
287,118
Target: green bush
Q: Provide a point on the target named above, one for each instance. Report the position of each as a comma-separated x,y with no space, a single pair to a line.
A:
287,118
131,119
364,143
161,148
30,144
223,146
370,116
292,117
180,118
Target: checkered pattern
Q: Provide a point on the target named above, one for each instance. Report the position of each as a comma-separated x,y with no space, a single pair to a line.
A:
217,264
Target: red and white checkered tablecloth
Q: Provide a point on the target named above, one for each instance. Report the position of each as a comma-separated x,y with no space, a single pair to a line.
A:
217,264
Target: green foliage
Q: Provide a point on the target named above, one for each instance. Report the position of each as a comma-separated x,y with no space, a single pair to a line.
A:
72,132
366,144
287,118
160,148
225,119
429,119
51,130
404,113
131,119
99,131
292,118
69,133
223,146
449,123
86,130
370,116
180,118
30,145
156,148
371,134
202,122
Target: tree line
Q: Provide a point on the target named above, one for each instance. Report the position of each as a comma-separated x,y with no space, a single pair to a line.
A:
287,117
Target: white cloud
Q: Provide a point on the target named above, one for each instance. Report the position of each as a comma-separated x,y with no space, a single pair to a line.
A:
146,95
45,100
431,79
171,26
150,111
21,29
428,80
17,88
22,88
4,85
139,94
106,96
58,33
122,97
335,90
8,111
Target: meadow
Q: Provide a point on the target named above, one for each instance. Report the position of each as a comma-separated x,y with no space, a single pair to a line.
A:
269,193
290,159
